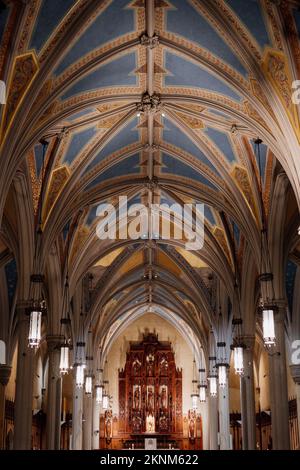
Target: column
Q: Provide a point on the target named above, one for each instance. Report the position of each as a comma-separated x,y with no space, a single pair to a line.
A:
77,416
24,387
53,425
213,422
247,396
224,424
87,421
295,372
278,384
5,372
96,424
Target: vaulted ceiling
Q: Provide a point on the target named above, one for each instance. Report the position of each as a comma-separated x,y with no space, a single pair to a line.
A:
159,100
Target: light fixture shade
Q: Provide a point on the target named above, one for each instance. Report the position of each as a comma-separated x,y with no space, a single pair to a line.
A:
202,394
222,375
88,384
268,326
99,393
238,359
105,401
80,375
64,359
194,397
35,328
213,389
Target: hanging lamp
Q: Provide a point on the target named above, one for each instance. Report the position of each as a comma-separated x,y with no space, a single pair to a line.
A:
202,380
194,394
89,361
212,377
38,307
267,306
65,322
80,357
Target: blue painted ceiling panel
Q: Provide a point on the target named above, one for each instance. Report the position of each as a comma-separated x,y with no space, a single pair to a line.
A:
77,143
50,14
174,166
115,21
118,72
185,21
183,73
250,13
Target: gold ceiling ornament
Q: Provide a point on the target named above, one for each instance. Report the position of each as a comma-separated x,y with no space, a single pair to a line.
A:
276,69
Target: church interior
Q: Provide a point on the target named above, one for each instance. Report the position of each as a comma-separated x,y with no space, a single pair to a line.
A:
142,341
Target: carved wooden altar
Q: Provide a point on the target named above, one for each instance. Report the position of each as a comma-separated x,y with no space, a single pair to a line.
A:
150,389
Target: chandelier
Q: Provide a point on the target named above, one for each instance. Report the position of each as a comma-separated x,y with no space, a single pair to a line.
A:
194,394
80,375
238,347
213,385
35,325
38,307
65,321
212,377
105,401
99,393
222,363
89,360
64,364
202,380
267,306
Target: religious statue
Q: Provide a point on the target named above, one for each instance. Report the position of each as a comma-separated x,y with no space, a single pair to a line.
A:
108,425
150,365
136,366
136,399
164,366
150,398
192,424
150,423
163,398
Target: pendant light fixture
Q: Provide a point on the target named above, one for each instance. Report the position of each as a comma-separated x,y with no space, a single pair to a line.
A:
194,394
267,306
99,385
65,322
38,307
212,377
105,397
80,358
202,379
238,347
222,362
89,361
35,325
99,393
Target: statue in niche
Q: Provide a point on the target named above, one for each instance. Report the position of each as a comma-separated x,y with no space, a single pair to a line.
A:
164,366
150,365
136,366
163,398
192,424
150,398
137,398
136,424
108,425
150,423
163,422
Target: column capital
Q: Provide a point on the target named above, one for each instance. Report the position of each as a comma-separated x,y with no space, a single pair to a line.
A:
248,341
54,342
5,371
295,373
